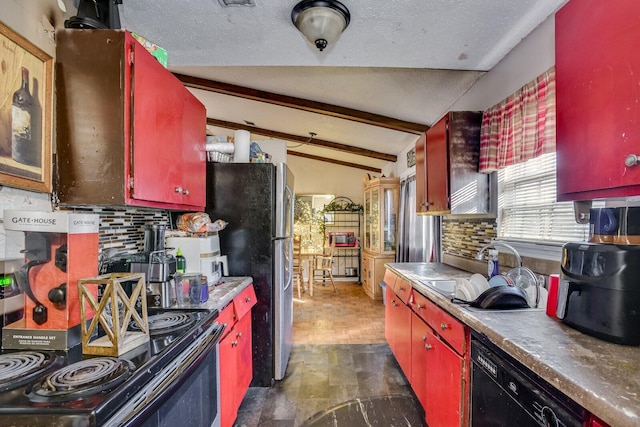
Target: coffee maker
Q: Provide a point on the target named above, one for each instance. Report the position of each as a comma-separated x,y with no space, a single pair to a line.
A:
158,266
598,292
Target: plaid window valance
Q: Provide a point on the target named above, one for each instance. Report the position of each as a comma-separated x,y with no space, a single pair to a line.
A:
521,127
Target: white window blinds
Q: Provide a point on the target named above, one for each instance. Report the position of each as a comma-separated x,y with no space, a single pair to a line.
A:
527,207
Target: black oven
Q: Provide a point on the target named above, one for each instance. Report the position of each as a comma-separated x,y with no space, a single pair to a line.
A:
185,392
505,393
171,380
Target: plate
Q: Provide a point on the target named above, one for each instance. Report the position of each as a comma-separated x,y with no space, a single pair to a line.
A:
500,280
531,296
480,282
464,290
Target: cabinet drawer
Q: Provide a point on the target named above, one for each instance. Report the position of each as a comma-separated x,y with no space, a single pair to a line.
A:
227,317
419,305
403,290
244,301
445,325
390,279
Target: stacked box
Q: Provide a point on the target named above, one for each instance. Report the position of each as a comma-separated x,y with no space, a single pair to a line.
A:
59,249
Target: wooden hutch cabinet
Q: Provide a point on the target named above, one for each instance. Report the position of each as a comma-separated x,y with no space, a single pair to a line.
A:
380,231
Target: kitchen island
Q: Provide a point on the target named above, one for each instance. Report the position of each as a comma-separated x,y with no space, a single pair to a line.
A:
602,377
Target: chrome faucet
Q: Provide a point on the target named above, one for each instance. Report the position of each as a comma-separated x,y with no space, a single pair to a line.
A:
500,244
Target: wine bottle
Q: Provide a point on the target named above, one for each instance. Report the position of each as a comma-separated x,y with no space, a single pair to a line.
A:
23,149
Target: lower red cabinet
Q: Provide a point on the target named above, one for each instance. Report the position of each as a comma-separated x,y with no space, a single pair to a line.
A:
398,330
436,376
431,347
236,365
419,348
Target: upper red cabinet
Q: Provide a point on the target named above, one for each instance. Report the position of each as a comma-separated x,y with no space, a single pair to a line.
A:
598,87
128,131
447,158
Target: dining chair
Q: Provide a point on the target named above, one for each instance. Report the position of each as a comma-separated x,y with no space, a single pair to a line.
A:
324,263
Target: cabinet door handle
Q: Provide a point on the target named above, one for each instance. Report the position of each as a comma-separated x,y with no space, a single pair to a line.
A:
428,346
420,306
425,204
239,335
444,326
247,299
631,160
424,338
234,344
185,192
178,190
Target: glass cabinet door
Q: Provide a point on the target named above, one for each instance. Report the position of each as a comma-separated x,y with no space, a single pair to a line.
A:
390,209
375,219
367,219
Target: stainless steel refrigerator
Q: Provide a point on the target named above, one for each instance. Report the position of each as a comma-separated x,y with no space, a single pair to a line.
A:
257,200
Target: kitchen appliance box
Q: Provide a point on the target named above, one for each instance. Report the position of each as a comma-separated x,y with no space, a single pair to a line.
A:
60,248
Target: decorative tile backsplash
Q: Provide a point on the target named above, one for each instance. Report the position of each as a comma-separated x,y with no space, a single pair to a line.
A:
464,237
123,229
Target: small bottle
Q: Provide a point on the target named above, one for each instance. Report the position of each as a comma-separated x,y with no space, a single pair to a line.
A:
181,262
492,263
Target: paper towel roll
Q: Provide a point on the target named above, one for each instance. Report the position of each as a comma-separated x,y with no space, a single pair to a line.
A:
221,147
242,140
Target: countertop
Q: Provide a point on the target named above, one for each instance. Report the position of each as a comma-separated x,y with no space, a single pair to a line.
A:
602,377
222,293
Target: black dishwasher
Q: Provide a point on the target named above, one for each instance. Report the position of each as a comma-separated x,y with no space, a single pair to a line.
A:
505,393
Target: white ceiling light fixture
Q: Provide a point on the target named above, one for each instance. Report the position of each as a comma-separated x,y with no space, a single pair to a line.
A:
321,21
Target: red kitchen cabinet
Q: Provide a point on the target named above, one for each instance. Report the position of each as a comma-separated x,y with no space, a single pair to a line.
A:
436,376
421,174
236,365
447,160
398,330
598,116
439,356
420,332
128,131
437,345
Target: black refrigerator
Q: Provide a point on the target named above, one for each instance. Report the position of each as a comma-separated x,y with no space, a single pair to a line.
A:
257,201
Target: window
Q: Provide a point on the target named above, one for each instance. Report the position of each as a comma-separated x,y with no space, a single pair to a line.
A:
527,207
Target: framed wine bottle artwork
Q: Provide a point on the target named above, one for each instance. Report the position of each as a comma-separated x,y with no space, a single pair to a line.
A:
26,102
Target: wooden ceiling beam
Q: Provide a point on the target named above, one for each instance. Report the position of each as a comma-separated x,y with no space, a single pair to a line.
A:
305,140
334,161
302,104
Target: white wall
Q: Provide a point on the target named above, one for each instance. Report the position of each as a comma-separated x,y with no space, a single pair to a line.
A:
276,148
315,177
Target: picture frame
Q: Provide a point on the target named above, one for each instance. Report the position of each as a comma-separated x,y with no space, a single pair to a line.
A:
411,158
25,117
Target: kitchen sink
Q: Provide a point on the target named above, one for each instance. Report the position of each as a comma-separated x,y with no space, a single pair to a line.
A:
446,287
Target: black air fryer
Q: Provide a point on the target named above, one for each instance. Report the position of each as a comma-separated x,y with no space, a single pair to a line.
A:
599,293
